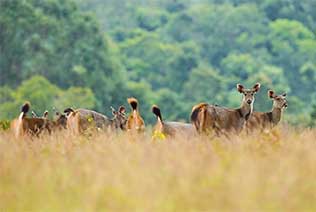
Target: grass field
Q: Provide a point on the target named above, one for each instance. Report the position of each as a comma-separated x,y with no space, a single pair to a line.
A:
273,171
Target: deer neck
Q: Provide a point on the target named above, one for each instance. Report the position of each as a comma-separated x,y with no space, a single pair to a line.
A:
246,110
276,114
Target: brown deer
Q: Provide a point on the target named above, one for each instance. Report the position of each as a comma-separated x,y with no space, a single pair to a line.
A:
171,129
266,120
207,118
29,126
135,121
80,120
60,122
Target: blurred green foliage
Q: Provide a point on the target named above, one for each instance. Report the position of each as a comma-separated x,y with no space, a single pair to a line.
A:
96,53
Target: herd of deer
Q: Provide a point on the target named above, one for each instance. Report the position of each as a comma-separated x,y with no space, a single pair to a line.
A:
205,118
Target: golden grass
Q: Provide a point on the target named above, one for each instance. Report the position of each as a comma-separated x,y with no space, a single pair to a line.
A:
273,171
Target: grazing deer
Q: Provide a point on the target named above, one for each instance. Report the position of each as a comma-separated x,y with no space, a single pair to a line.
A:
171,129
135,121
80,120
207,117
266,120
29,126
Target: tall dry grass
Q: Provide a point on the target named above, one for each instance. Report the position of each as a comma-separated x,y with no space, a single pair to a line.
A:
273,171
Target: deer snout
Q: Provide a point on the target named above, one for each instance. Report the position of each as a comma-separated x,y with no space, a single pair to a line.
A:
249,101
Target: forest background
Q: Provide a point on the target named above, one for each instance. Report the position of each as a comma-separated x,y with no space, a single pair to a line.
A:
96,53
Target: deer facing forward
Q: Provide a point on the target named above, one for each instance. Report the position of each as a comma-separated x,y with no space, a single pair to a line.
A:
266,120
211,118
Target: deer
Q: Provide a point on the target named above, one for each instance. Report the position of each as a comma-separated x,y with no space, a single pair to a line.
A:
268,120
170,128
135,121
78,121
24,125
212,118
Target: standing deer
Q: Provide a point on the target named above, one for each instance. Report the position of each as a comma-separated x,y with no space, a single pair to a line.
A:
208,118
80,120
171,129
29,126
265,120
135,121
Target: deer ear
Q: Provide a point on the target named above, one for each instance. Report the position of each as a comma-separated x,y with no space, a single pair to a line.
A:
256,87
113,110
240,88
122,109
45,115
271,94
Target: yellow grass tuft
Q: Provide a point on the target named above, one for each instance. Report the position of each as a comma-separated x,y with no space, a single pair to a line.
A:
269,171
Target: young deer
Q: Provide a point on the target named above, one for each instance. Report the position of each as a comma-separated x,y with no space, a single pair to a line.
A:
171,129
135,121
29,126
80,120
266,120
207,117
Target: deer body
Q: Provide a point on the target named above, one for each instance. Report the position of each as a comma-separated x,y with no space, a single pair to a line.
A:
207,117
80,120
29,126
268,120
135,121
172,129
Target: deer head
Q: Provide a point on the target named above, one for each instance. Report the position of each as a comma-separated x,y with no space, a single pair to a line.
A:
119,119
248,94
279,101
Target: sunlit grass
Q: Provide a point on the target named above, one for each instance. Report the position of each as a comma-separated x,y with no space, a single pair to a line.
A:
265,171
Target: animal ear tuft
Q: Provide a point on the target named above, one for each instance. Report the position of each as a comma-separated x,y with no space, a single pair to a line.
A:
240,88
271,94
256,87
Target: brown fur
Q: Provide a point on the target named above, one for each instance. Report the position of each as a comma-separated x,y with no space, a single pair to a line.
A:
214,119
29,126
135,121
172,129
78,121
267,120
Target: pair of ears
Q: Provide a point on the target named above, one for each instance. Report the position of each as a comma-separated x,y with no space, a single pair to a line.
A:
120,110
255,88
272,95
45,114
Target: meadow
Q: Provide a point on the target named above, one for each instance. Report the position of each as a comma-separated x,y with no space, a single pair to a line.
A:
268,171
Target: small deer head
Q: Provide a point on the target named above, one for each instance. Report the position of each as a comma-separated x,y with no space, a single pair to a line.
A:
119,119
60,120
248,94
279,101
